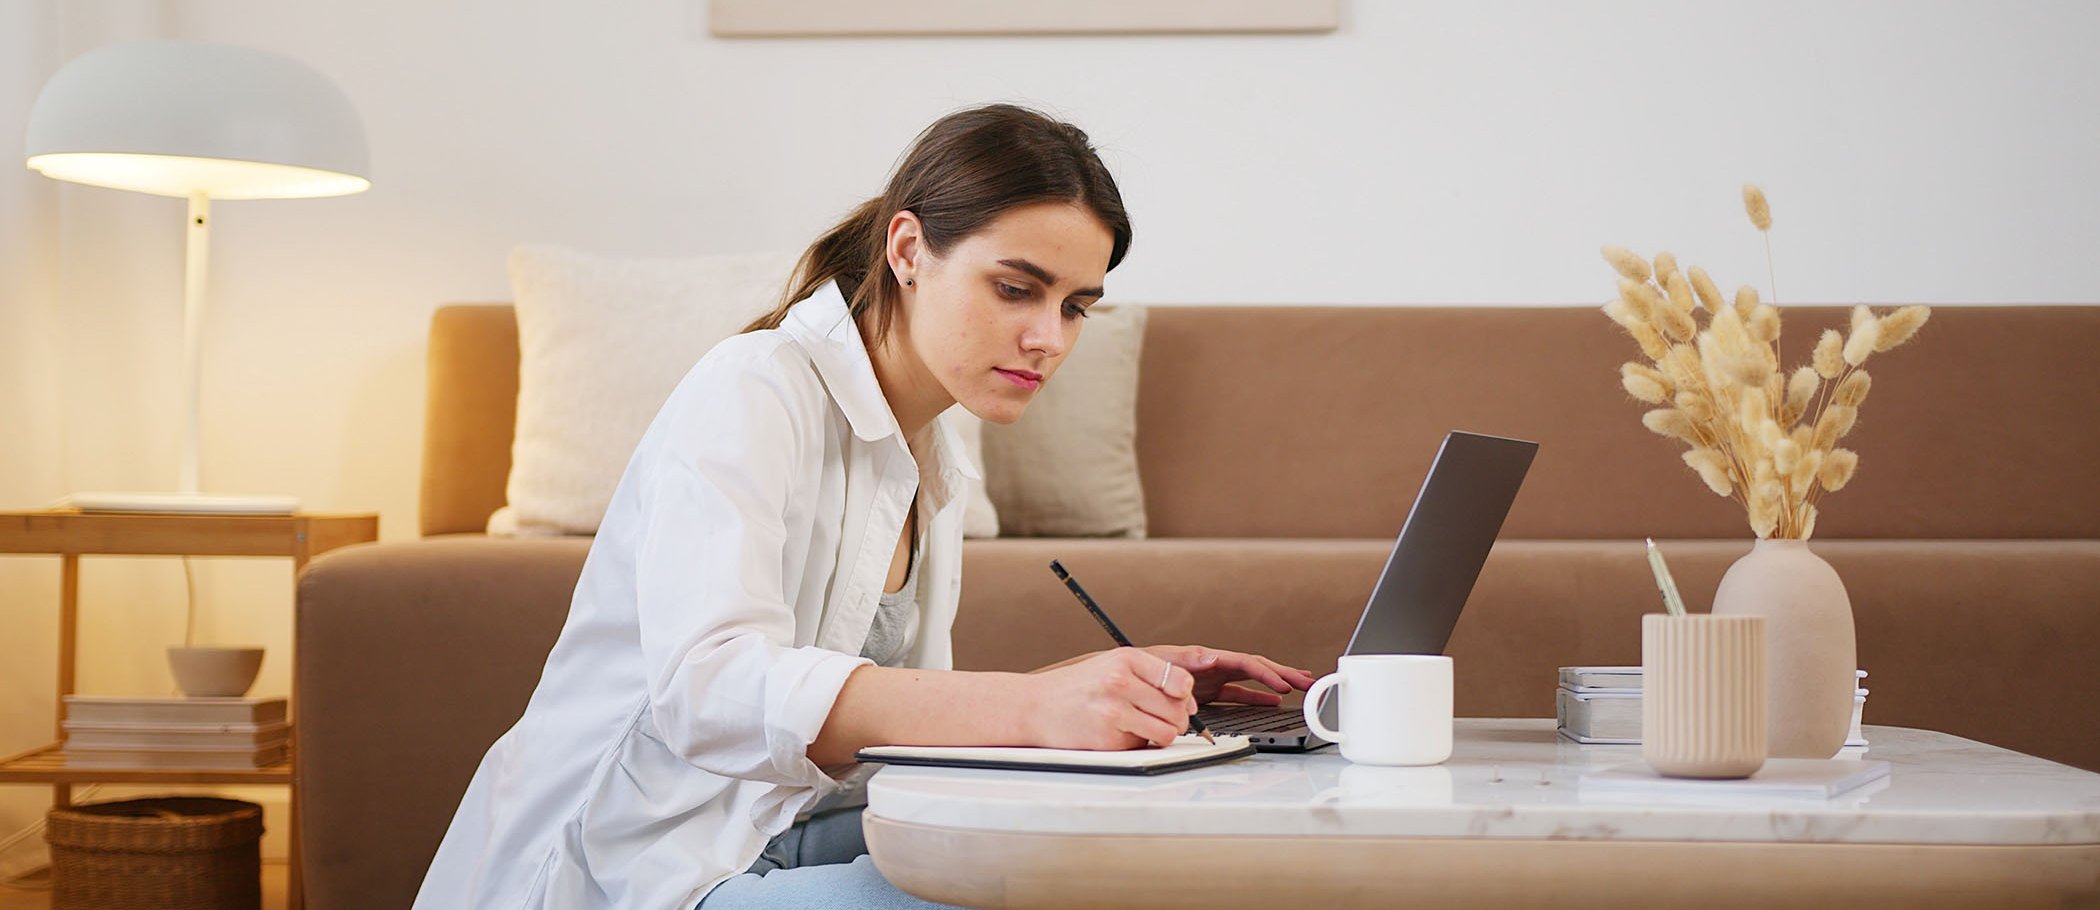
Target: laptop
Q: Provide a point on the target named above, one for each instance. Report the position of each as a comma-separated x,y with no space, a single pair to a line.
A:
1426,581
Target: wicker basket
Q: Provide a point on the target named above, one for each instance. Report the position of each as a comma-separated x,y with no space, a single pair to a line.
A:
168,853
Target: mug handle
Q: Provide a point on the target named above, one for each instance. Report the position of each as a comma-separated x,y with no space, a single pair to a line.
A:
1312,707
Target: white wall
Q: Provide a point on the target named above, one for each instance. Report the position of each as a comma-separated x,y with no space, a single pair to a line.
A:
1426,153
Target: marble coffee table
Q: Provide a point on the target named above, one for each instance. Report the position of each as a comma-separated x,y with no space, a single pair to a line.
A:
1505,822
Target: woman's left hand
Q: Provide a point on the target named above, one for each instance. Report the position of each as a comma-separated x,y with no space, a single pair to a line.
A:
1217,673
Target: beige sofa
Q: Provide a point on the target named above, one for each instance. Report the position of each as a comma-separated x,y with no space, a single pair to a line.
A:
1280,448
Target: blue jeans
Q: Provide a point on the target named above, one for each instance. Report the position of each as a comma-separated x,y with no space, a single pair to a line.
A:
821,862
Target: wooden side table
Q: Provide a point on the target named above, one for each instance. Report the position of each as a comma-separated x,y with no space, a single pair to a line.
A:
70,535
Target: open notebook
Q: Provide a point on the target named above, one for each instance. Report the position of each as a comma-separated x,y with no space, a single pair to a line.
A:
1187,751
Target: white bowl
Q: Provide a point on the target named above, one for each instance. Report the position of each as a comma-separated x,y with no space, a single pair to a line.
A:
220,672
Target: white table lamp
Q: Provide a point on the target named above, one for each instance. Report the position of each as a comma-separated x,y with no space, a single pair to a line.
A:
196,121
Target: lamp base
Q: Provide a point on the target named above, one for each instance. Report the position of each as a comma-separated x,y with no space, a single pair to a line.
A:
208,503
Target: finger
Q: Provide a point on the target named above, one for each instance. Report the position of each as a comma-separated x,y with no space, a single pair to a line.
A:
1238,694
1298,679
1153,669
1254,668
1151,728
1174,709
1197,657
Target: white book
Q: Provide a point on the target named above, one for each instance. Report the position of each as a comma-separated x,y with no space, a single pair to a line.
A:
117,709
1780,778
1598,717
1601,677
198,759
1187,751
91,735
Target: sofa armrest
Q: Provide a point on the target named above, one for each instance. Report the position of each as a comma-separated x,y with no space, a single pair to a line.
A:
410,660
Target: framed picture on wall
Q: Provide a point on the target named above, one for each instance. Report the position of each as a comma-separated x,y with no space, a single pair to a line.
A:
810,18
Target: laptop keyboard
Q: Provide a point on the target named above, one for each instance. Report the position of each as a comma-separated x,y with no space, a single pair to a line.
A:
1240,720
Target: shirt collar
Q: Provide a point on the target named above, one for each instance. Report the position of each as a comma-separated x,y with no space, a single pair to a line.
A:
827,330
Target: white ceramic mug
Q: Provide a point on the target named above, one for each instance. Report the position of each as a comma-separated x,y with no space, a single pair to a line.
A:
1397,710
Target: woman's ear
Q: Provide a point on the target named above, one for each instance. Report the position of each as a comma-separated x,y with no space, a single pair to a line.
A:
903,246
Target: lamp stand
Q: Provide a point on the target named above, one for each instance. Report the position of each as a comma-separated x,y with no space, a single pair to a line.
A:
196,270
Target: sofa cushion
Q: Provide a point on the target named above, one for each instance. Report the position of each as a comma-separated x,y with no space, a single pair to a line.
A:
602,341
1321,422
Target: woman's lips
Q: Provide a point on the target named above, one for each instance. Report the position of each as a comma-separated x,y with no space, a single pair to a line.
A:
1024,380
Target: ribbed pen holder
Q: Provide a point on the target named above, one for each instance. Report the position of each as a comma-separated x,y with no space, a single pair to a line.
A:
1703,694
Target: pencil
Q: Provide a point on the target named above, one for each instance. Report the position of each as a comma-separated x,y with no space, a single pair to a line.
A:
1663,580
1195,722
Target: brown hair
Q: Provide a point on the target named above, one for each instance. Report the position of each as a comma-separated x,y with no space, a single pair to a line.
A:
962,172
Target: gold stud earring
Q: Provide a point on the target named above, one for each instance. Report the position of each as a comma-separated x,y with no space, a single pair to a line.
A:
907,282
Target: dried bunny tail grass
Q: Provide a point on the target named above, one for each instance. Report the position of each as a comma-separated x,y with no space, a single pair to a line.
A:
1769,436
1650,340
1739,356
1712,468
1764,323
1665,264
1708,293
1752,409
1838,468
1618,311
1680,292
1764,508
1808,521
1695,406
1775,390
1865,337
1897,327
1837,420
1804,476
1800,390
1644,383
1644,299
1681,365
1830,354
1755,204
1627,262
1713,364
1853,390
1676,323
1861,314
1786,456
1672,423
1745,301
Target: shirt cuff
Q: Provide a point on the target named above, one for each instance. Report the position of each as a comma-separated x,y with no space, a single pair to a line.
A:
801,689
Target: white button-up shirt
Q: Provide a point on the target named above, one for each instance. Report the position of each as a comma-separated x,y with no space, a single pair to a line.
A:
726,598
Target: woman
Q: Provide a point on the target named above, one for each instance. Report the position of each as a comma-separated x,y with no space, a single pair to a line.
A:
773,583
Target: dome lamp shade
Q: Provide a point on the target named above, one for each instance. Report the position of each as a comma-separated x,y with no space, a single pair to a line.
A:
185,118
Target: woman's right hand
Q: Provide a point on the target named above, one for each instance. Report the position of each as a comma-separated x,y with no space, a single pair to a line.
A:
1110,701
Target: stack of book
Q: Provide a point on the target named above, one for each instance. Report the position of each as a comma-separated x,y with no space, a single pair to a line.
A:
190,733
1603,705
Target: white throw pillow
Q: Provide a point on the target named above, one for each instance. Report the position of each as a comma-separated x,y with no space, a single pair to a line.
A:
602,341
1068,467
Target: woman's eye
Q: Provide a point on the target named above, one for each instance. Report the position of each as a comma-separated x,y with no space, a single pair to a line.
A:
1073,309
1010,292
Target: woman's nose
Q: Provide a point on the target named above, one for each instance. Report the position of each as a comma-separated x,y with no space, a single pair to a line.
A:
1045,333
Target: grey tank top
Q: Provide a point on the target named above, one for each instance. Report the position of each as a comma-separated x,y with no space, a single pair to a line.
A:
896,623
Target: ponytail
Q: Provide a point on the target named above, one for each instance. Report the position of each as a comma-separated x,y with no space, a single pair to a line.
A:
962,172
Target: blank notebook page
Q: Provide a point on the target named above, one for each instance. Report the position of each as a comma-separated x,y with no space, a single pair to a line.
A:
1185,750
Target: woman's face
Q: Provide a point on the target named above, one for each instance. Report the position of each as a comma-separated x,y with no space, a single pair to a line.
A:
993,318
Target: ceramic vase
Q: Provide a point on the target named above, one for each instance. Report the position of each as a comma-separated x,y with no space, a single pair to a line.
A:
1810,660
1703,695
